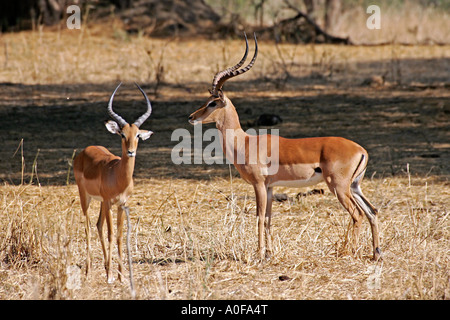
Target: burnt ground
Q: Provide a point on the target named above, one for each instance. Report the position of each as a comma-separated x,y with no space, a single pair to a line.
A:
400,125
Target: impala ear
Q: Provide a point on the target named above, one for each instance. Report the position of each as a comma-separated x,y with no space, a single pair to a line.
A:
145,134
113,127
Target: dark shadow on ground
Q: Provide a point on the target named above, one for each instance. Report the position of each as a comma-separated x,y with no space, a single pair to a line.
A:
400,124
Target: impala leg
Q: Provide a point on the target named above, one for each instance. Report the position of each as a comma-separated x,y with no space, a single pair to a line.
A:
261,203
105,215
371,213
373,219
85,201
348,203
87,228
109,224
357,205
267,222
100,221
346,199
120,219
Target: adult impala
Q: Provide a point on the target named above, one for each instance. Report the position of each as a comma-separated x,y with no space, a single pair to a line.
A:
102,176
339,162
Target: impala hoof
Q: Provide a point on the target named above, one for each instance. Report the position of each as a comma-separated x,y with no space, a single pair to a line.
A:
377,254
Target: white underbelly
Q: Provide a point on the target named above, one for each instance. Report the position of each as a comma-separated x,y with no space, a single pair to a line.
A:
121,199
315,179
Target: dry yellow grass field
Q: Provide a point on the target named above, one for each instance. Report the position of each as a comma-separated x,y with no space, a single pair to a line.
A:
193,226
196,240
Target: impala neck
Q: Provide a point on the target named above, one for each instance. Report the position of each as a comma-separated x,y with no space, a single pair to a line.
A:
127,165
228,124
229,118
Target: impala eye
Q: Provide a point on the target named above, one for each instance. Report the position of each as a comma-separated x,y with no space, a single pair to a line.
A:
212,104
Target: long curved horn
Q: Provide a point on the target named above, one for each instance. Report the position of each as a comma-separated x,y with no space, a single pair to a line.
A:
114,115
147,114
223,76
220,74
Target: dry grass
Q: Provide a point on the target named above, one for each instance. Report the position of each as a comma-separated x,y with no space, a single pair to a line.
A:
197,240
99,54
194,234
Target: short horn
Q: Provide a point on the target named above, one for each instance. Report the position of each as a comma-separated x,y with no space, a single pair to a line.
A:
114,115
147,114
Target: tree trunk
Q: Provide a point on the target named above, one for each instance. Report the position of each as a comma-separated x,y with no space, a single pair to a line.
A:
332,14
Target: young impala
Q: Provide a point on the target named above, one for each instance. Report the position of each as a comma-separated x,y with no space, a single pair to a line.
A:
300,162
102,176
